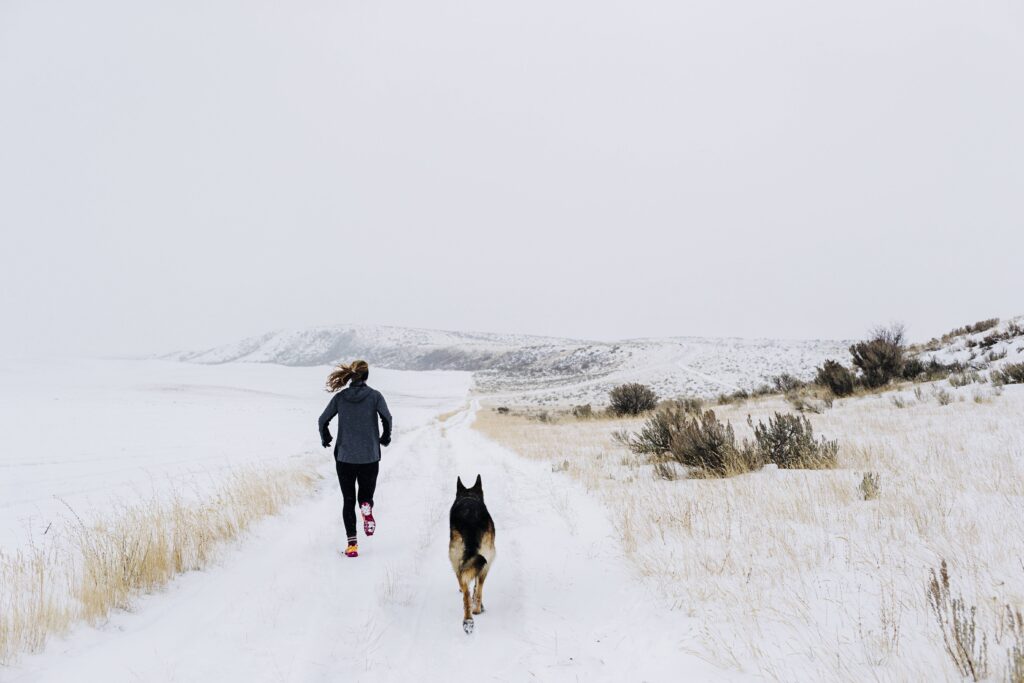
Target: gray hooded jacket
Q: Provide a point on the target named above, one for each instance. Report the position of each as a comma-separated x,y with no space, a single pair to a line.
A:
359,435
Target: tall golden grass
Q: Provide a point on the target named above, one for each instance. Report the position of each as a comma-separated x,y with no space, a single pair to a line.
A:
97,566
801,575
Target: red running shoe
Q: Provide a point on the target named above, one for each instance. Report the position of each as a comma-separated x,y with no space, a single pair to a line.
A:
369,524
352,550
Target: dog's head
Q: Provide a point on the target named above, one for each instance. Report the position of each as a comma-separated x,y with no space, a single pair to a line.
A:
475,491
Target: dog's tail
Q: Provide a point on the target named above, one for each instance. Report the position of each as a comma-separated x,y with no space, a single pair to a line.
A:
473,565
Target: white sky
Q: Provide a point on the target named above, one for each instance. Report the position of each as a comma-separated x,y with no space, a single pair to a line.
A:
186,172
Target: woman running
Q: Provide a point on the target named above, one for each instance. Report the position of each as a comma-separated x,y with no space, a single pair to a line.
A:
357,452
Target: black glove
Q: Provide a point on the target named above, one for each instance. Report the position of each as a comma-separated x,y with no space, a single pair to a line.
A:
326,444
385,440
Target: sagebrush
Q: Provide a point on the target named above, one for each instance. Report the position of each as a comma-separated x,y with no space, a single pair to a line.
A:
880,357
632,399
788,441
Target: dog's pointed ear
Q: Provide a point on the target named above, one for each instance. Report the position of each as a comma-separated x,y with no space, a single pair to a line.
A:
478,486
459,486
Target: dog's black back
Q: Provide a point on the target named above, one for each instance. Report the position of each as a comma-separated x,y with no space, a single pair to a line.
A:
470,521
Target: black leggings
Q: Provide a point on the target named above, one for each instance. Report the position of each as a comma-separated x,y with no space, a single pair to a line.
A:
348,475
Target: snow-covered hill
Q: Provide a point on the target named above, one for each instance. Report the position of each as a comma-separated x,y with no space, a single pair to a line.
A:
552,370
987,345
541,369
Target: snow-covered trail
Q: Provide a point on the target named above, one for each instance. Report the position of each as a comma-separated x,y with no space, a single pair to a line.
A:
286,605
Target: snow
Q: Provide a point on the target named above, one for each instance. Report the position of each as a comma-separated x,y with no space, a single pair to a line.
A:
542,369
972,350
284,604
563,601
80,434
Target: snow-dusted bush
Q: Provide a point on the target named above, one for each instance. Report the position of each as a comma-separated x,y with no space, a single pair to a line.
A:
676,434
655,437
965,377
788,441
583,412
632,399
1012,373
836,377
691,405
738,396
916,370
785,383
880,357
870,485
708,445
965,643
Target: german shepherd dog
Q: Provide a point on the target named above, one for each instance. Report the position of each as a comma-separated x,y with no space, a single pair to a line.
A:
470,546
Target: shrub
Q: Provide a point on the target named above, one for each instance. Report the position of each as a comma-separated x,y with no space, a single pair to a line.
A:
964,377
705,443
690,405
805,401
980,326
698,440
913,368
1012,629
916,370
983,325
737,396
966,644
785,383
788,441
836,377
502,410
655,437
584,412
943,397
1012,373
870,485
880,357
991,340
993,356
632,399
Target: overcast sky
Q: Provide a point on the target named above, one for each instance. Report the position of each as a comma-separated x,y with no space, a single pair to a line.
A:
186,172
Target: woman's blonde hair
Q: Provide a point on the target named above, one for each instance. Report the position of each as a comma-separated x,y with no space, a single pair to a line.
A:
357,370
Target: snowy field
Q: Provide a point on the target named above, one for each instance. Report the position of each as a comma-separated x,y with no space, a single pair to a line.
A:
603,570
283,604
86,434
799,575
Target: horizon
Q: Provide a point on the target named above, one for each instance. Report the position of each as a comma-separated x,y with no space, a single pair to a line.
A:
157,353
910,339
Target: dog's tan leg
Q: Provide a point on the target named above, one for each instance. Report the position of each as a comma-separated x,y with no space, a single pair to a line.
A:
478,590
467,617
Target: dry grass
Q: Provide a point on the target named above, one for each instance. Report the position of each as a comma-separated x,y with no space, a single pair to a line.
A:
99,566
793,573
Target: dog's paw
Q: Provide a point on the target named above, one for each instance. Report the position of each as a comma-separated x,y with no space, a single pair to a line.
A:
467,626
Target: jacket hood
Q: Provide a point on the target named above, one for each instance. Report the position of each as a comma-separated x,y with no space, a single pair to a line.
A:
357,392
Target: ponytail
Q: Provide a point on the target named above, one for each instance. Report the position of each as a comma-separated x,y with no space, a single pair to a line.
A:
358,370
